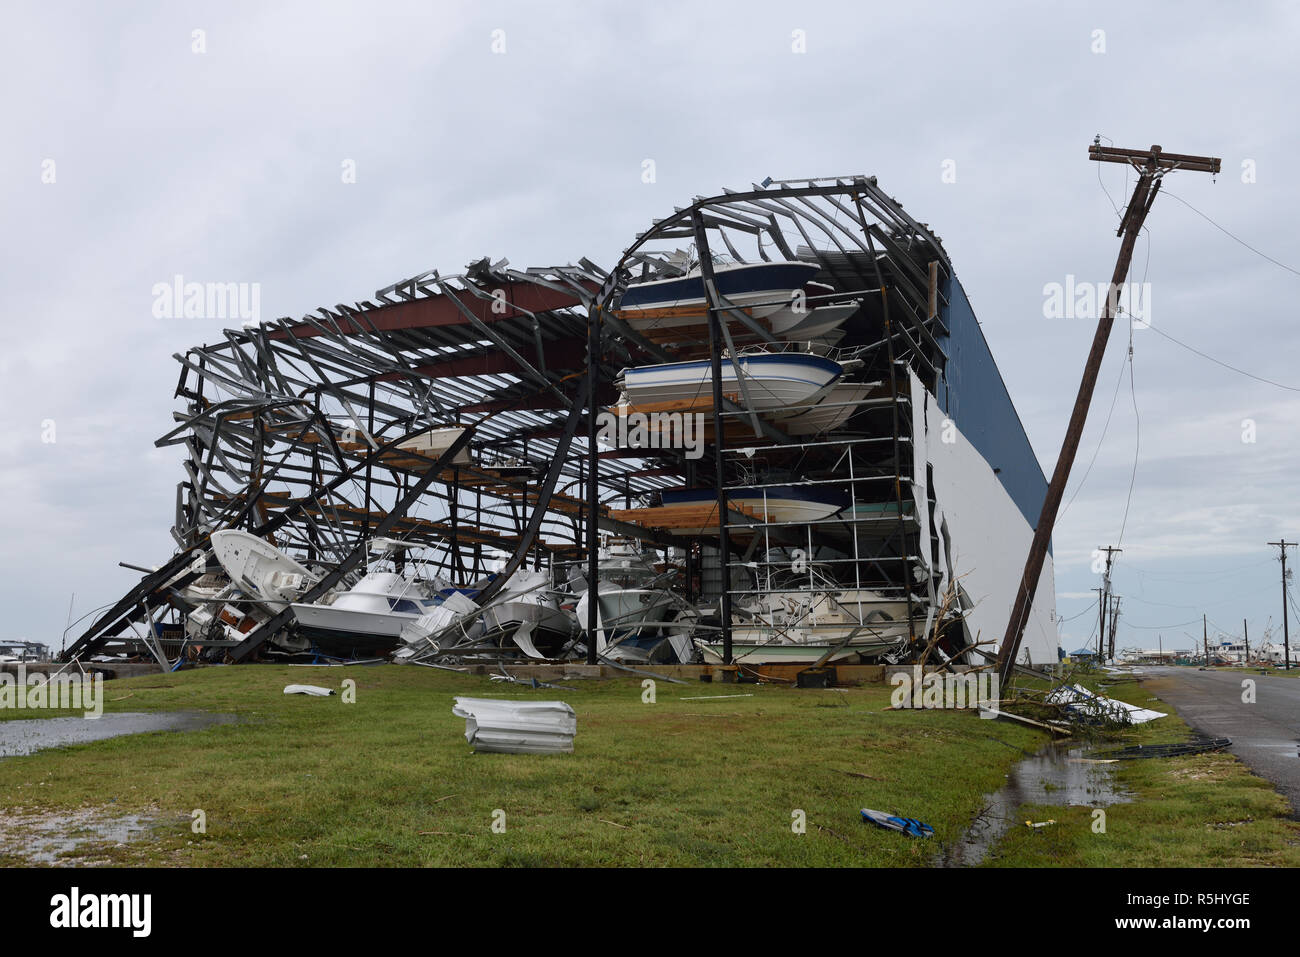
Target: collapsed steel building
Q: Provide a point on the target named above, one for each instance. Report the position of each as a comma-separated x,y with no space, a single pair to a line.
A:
310,434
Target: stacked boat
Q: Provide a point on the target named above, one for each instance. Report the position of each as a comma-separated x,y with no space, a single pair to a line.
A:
779,297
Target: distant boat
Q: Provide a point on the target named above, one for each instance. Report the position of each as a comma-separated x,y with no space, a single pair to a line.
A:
772,380
770,284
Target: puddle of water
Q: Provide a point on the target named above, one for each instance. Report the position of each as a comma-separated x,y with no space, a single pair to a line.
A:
1058,776
27,736
44,837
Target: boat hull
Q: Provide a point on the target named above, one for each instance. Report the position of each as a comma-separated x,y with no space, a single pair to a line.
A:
772,381
739,284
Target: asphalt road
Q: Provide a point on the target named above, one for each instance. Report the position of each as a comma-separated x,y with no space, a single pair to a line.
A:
1265,735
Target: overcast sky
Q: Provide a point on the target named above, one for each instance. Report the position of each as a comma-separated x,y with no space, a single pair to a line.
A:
226,164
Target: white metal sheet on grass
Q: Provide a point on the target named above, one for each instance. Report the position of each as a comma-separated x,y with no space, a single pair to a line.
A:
517,727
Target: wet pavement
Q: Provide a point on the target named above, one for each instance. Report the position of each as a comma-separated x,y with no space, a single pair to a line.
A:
1060,775
1265,734
26,736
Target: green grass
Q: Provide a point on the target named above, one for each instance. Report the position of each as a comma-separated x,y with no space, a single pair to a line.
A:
1205,810
390,780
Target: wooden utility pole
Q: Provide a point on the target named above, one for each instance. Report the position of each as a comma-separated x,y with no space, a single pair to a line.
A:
1101,620
1114,624
1286,630
1107,615
1151,165
1246,634
1205,637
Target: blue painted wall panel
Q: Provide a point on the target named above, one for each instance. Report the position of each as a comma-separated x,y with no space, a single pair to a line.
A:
974,396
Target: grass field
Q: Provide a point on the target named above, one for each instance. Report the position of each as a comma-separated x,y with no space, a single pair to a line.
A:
390,780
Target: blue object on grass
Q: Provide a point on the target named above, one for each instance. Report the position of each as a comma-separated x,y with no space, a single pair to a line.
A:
892,822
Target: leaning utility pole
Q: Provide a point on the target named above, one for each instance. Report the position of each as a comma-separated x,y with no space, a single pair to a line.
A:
1151,165
1246,634
1286,633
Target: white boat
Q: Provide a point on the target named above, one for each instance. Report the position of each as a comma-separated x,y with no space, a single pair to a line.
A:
434,442
259,569
850,624
775,503
796,324
632,610
771,380
378,609
829,413
527,612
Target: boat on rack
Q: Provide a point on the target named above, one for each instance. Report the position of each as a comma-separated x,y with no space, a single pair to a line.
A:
774,503
764,287
792,322
771,380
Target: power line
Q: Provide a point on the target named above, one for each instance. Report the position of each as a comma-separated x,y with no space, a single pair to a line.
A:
1230,235
1225,365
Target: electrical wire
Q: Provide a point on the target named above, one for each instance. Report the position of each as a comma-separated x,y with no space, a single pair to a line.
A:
1249,375
1235,238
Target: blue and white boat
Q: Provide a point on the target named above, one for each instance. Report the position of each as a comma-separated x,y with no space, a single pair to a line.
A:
771,380
741,284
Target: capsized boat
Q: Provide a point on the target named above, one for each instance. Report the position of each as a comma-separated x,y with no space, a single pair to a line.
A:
771,380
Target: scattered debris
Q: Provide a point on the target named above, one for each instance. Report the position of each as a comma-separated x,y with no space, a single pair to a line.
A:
1037,824
1176,750
1089,706
517,727
313,690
